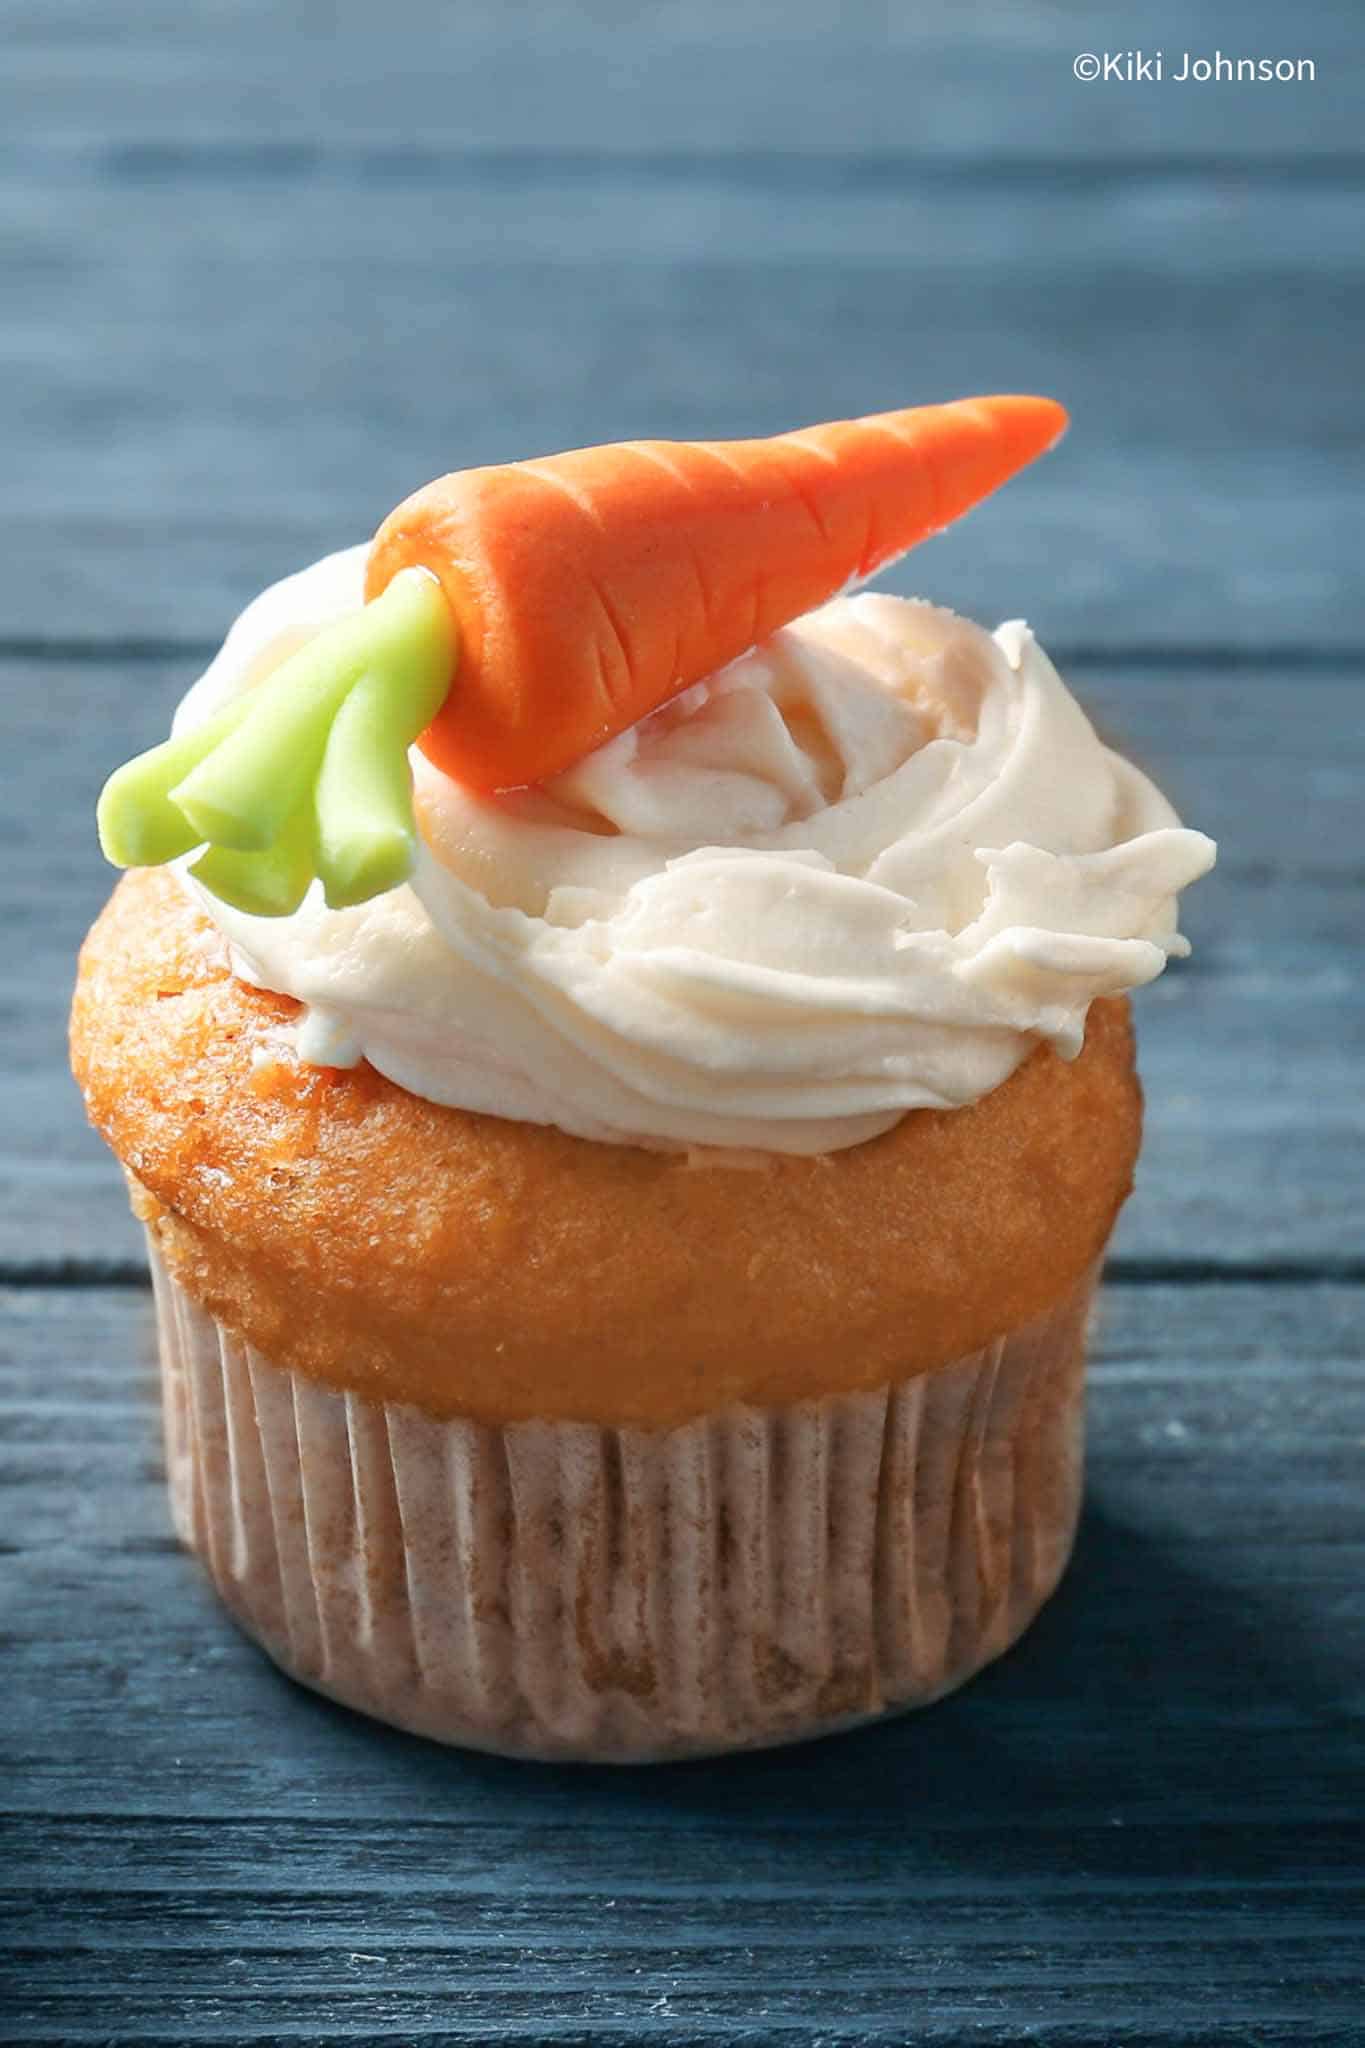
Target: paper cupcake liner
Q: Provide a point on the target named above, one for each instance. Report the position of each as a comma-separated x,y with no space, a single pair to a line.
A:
556,1589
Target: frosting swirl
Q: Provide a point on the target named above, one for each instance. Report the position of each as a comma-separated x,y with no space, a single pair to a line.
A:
864,869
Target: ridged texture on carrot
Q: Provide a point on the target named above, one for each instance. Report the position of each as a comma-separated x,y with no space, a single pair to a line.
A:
592,586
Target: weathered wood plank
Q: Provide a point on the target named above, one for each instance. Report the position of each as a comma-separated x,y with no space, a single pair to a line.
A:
981,83
1142,1826
281,357
1256,1129
935,1989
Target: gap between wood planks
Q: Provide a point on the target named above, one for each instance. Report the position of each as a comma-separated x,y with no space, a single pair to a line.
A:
289,161
94,1274
1162,656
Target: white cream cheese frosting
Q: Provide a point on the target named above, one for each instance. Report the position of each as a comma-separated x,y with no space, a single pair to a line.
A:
864,869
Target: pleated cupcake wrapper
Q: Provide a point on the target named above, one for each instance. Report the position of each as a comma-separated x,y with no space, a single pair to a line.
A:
557,1589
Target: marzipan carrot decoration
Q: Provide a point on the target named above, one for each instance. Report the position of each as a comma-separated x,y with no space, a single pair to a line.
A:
521,615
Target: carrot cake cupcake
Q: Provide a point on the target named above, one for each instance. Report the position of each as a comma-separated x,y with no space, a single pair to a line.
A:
621,1051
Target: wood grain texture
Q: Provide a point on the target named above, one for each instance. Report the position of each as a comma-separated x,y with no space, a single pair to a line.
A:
312,286
280,361
1138,1827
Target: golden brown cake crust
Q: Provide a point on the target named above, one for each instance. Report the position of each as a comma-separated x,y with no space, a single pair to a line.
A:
504,1271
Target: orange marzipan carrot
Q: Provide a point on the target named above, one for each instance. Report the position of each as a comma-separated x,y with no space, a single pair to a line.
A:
590,587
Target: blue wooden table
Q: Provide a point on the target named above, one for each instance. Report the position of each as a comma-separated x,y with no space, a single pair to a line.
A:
266,267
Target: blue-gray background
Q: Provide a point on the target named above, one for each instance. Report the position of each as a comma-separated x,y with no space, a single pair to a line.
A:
269,265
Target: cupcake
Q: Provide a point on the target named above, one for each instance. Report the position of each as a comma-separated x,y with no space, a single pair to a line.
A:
625,1176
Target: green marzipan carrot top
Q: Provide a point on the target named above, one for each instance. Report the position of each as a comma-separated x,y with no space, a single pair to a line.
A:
307,775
